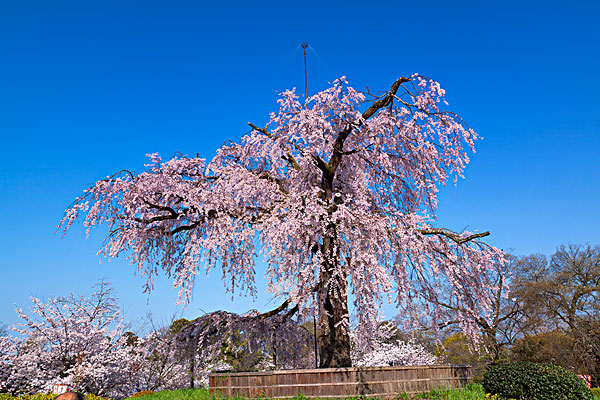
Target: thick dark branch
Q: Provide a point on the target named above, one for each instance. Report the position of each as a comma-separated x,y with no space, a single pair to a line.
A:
154,219
172,213
290,313
453,235
323,166
338,146
185,228
385,101
162,208
267,175
289,158
277,310
264,131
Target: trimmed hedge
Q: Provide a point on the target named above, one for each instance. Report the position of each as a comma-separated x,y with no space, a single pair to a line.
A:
534,381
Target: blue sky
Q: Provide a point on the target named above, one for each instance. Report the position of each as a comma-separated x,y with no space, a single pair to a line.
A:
88,88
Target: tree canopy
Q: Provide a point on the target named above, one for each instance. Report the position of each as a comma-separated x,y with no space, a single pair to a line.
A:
339,193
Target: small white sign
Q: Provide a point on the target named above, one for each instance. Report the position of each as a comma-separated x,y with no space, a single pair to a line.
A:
58,388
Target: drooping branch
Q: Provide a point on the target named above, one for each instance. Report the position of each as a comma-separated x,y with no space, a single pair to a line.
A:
290,313
161,208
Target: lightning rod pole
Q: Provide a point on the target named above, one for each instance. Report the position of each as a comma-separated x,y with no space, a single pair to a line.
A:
304,46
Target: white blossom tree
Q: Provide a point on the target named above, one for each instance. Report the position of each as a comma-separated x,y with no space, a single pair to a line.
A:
396,354
339,190
72,340
382,349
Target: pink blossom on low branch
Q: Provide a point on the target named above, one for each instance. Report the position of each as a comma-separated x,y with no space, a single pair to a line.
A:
337,188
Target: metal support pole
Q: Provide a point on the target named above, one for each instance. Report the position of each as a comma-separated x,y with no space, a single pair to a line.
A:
304,46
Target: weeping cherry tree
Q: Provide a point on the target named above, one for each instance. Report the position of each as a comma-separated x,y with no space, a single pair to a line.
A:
338,192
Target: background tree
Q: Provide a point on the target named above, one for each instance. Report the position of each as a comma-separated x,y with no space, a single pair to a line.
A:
459,349
73,340
544,311
497,328
532,280
336,189
7,353
560,308
552,346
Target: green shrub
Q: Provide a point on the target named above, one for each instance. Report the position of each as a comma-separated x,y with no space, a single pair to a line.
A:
532,381
596,393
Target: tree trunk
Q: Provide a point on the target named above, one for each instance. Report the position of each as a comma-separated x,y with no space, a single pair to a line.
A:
334,319
192,372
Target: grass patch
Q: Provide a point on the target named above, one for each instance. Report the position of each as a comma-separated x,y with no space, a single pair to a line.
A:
183,394
472,391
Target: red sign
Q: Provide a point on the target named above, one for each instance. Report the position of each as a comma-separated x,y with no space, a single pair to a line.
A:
587,379
60,388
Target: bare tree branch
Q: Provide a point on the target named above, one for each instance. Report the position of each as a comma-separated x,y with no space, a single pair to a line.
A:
456,237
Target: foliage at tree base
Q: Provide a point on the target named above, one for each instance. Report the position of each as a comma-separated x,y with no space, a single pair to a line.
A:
142,393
